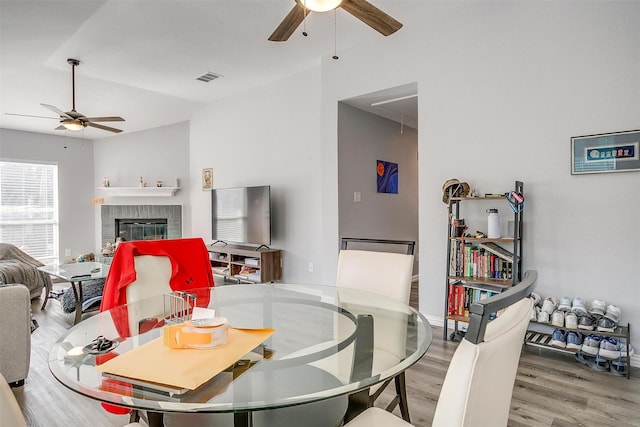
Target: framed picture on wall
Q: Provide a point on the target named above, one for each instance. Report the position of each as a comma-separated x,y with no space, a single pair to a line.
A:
606,152
207,179
387,177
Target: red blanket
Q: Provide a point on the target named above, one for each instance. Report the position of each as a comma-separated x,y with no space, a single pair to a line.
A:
190,268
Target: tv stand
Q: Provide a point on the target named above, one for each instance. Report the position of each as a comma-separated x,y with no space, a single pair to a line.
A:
246,264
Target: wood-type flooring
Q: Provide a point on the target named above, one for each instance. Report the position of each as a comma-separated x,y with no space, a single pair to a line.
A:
551,389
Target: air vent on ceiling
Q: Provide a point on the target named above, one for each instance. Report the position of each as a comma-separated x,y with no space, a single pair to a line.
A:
208,77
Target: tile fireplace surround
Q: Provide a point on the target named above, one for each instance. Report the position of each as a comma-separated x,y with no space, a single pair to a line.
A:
109,214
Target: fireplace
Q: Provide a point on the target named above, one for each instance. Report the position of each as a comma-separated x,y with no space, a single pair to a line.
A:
141,229
140,222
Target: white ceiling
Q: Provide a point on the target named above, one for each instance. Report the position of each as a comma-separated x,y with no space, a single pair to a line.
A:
139,58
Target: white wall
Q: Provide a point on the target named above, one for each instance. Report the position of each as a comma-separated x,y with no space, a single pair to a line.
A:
364,138
156,154
270,136
74,158
503,87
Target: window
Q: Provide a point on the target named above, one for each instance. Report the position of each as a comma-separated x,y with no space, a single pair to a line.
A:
29,208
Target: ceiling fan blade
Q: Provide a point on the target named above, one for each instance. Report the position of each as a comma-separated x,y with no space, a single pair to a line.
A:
107,128
60,128
103,119
288,24
29,115
56,110
372,16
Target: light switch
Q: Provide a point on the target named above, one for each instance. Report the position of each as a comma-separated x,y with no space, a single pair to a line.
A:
356,197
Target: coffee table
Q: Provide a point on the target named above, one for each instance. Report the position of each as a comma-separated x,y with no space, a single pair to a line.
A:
75,274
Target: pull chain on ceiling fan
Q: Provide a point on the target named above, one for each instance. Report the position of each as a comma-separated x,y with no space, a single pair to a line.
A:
73,120
361,9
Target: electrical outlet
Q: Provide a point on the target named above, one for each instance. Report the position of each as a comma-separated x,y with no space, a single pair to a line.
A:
67,252
310,267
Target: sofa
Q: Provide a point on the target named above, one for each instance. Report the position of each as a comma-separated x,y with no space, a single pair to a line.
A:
15,333
18,267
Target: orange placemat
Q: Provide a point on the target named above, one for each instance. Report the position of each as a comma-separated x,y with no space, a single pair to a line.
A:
184,368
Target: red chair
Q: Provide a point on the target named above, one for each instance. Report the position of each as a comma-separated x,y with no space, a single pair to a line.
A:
145,268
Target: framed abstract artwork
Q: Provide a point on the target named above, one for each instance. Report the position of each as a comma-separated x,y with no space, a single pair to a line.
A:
606,152
387,177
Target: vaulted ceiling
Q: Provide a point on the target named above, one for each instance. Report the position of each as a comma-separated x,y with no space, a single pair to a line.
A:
140,59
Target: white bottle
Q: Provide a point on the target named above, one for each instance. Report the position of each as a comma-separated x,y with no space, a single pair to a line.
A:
493,226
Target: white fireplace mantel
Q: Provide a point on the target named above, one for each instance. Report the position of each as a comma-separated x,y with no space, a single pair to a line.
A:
139,191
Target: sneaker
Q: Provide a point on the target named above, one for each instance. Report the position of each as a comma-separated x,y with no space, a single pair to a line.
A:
587,323
549,305
559,338
534,313
619,367
609,348
579,307
597,308
535,298
564,304
571,320
591,344
606,325
600,364
574,340
612,313
543,317
557,319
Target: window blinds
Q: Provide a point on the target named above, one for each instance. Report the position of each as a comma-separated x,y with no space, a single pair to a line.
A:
29,208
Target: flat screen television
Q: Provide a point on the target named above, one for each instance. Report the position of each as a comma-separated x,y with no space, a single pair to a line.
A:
241,215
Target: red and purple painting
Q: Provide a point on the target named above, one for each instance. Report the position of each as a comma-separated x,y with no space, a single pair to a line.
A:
387,177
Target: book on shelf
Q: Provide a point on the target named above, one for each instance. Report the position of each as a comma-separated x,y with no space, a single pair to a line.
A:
497,250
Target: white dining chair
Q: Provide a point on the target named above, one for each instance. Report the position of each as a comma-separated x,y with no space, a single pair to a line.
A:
478,386
388,274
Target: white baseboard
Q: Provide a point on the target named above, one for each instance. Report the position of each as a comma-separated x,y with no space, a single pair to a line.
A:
635,360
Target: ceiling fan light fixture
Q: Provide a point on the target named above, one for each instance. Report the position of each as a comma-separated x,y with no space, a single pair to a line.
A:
72,124
320,5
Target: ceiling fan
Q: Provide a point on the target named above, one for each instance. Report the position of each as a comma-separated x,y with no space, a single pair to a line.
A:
72,120
361,9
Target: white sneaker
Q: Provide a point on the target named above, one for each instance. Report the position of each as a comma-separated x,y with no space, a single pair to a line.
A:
597,308
543,317
557,319
534,313
535,298
612,313
564,304
549,305
571,321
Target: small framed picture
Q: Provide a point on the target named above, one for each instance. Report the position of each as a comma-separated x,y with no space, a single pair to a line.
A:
606,152
207,179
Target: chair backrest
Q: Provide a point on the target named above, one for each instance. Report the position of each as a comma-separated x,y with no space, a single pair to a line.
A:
10,413
479,382
141,269
15,332
383,273
152,278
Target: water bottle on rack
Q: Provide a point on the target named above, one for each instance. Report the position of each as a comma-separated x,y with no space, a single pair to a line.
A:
493,224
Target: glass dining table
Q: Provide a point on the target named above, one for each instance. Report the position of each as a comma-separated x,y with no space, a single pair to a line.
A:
327,343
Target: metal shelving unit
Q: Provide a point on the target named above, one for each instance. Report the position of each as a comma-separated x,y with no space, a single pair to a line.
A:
489,284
